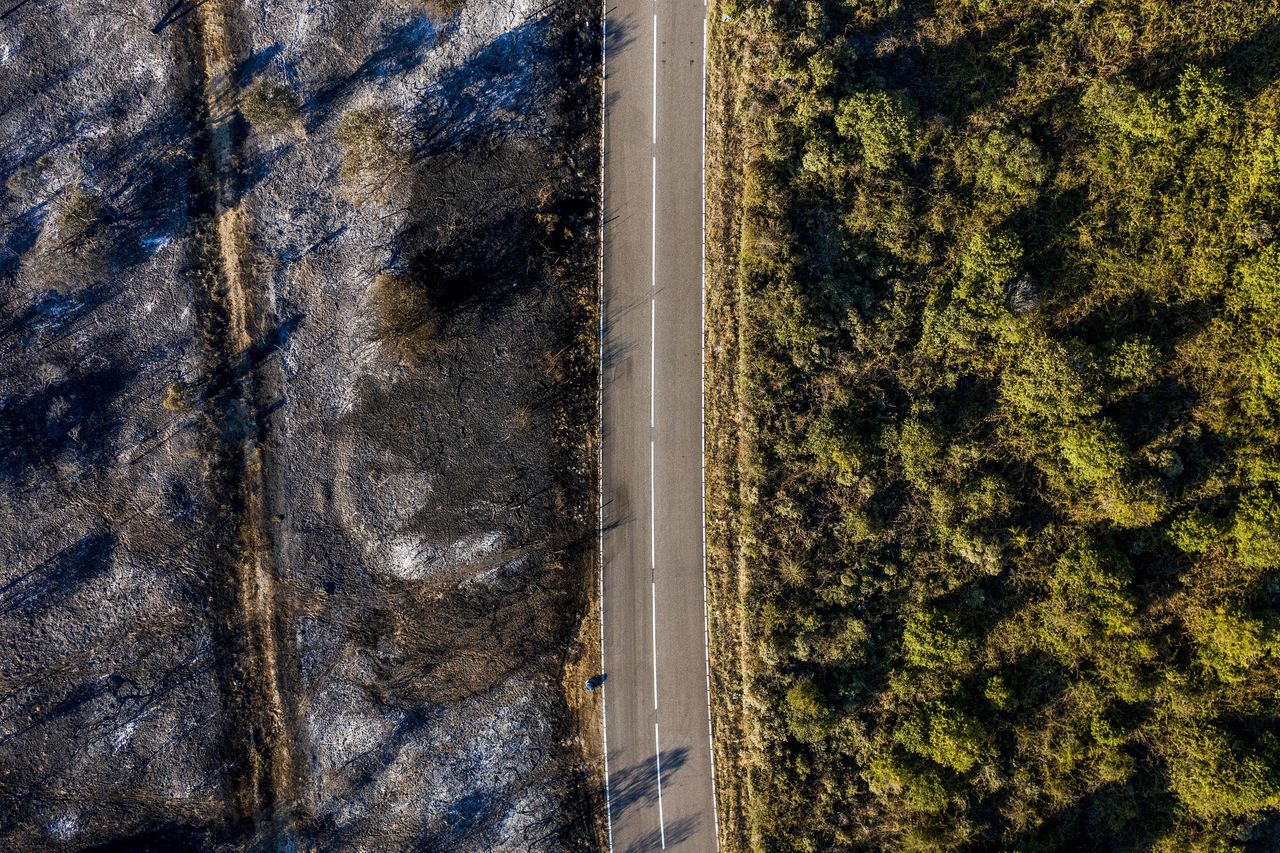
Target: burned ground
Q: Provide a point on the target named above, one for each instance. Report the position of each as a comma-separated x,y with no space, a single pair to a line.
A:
274,571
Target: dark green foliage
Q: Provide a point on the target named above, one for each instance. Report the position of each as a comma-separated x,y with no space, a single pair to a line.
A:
1009,292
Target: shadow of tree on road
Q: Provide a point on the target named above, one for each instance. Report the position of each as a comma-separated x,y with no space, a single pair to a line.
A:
660,839
639,782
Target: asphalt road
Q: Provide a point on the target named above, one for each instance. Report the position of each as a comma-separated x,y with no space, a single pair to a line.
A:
656,703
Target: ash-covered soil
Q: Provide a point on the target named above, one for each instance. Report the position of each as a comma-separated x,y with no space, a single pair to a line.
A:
296,477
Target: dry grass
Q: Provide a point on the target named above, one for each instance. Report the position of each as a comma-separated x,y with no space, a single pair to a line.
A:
407,323
724,191
372,144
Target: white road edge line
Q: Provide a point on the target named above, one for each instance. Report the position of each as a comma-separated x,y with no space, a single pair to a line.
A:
706,604
655,78
604,714
657,756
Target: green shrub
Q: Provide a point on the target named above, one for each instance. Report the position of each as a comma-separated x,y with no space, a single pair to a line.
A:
1094,451
884,125
808,715
269,105
1009,164
1033,574
1229,643
1194,533
945,735
1212,779
1138,115
1134,362
933,640
1256,531
1095,582
919,448
835,447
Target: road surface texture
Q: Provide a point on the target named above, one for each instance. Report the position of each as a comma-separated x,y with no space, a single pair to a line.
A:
658,751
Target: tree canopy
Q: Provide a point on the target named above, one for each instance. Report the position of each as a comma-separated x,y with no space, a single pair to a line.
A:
1008,392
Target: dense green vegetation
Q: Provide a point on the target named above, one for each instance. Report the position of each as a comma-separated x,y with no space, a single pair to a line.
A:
1008,412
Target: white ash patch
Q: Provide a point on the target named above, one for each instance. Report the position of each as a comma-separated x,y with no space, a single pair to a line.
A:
414,559
65,827
360,356
494,577
467,768
345,725
123,736
481,23
153,243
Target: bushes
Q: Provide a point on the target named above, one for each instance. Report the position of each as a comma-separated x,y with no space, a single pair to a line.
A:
177,396
269,105
371,142
807,712
1009,164
945,735
1009,411
1214,778
933,640
1255,531
835,446
1230,643
81,213
883,125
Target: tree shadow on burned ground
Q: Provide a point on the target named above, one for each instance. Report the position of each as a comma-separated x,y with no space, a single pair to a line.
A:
497,92
58,578
402,48
76,415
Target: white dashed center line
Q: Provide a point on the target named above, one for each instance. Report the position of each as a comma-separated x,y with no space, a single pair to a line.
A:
655,78
657,757
654,628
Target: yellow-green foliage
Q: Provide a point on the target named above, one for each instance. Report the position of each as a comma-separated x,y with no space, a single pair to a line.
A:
945,735
270,105
81,211
1009,293
882,124
1009,164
